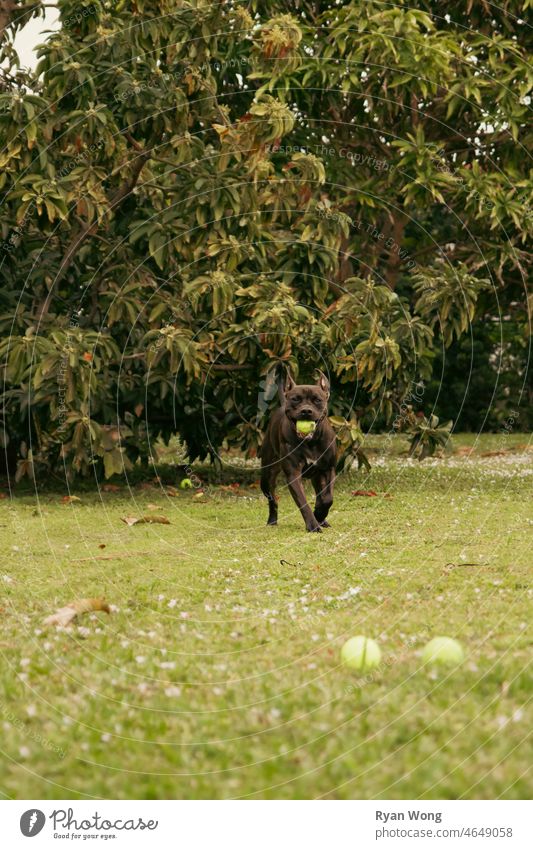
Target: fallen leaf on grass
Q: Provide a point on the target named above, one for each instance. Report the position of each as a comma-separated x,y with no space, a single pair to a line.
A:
65,615
157,520
368,492
493,453
145,520
102,545
235,490
172,491
449,566
70,499
111,487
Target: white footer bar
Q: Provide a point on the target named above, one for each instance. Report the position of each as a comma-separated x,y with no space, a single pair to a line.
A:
268,825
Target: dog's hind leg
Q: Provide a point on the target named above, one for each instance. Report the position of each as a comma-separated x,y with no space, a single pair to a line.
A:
268,488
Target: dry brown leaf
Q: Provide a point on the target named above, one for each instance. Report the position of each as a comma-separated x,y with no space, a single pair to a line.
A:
65,615
449,566
111,487
172,492
145,520
493,453
70,499
153,507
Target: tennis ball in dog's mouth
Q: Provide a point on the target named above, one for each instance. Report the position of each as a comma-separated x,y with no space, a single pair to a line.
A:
443,651
361,653
186,483
305,427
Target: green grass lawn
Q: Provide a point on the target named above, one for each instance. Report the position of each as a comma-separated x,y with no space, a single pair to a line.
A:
217,672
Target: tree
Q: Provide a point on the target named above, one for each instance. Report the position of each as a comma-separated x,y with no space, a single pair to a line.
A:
194,195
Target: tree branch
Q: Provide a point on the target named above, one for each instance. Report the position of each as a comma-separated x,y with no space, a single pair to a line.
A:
231,367
215,367
90,228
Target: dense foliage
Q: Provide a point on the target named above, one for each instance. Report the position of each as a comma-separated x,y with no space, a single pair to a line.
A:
194,194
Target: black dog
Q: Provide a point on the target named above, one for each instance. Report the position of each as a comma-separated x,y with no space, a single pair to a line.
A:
300,456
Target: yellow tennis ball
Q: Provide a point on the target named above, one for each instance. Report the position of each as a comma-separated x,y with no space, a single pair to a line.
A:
361,653
186,483
443,651
305,426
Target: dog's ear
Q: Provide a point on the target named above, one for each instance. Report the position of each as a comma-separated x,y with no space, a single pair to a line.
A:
323,382
290,383
285,384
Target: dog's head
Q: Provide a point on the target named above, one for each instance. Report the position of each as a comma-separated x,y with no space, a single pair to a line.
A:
305,402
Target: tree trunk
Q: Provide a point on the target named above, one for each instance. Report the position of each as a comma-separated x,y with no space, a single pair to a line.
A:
394,262
7,7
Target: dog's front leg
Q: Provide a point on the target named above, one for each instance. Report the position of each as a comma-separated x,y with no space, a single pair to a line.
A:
296,489
323,486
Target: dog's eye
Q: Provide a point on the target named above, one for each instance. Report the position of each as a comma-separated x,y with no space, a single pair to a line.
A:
295,399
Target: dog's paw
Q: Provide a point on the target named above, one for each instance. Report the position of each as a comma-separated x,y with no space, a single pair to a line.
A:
325,524
272,523
317,530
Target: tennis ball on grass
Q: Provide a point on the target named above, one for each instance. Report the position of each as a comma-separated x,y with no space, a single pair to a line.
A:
361,653
186,483
443,651
305,427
